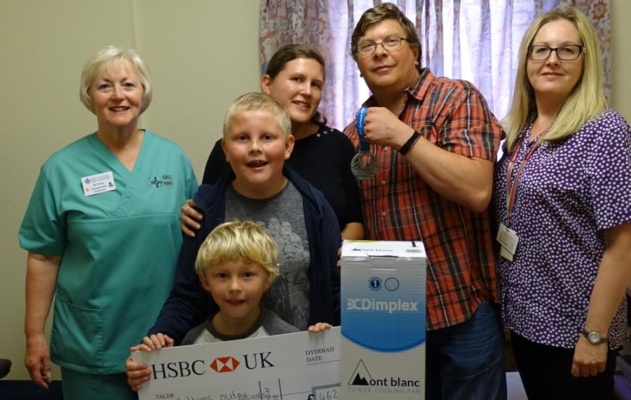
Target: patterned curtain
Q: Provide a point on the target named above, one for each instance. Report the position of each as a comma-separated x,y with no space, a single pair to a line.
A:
476,40
599,13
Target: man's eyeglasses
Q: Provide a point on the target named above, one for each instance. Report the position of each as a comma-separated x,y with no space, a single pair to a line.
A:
368,48
568,52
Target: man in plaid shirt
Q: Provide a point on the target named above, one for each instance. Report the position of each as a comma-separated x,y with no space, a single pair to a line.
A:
435,141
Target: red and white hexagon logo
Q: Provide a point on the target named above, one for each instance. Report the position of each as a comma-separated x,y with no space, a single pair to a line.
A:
224,364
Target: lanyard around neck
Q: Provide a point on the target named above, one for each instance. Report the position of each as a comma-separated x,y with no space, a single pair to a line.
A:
511,187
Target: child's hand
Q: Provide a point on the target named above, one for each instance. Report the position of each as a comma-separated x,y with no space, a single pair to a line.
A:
137,373
157,341
320,326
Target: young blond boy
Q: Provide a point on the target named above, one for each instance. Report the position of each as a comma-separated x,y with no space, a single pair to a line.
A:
236,265
257,141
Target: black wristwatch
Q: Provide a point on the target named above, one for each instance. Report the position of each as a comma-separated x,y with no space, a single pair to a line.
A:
594,337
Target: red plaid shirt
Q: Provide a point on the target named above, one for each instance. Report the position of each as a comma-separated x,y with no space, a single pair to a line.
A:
399,205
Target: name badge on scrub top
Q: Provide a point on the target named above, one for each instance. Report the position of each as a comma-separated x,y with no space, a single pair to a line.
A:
508,239
99,183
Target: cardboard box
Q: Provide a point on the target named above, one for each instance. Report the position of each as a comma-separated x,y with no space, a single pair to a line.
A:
383,320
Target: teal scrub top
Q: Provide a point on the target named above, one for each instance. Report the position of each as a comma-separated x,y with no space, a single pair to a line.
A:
119,248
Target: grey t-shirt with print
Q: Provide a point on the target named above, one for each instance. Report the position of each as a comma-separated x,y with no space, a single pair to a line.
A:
283,217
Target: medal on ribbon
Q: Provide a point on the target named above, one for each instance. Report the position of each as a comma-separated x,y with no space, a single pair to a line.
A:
364,164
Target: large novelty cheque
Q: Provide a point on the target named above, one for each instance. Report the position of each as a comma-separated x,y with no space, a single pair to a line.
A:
296,366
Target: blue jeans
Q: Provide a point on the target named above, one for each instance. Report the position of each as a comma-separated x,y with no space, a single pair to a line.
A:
466,361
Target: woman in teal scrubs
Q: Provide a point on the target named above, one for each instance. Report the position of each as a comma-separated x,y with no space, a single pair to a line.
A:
102,235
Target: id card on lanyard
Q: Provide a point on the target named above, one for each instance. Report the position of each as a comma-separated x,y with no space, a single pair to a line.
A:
506,237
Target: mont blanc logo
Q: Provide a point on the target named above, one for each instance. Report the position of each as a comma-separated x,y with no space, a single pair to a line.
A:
224,364
360,376
392,384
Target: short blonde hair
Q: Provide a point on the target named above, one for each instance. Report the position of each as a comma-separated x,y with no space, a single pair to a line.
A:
244,241
113,57
586,100
257,101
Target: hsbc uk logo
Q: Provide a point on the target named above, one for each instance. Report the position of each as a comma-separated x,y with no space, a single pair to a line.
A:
220,365
224,364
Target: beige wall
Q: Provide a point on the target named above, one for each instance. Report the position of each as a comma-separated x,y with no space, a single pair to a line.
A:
621,56
202,53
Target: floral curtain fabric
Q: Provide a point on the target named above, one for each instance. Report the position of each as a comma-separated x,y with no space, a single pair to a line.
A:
599,13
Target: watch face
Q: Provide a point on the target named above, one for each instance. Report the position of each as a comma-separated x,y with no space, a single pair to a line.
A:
594,337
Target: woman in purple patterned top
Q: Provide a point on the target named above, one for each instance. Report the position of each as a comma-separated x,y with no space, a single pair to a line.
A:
563,209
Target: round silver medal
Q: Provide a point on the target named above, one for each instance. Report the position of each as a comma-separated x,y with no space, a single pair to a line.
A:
364,165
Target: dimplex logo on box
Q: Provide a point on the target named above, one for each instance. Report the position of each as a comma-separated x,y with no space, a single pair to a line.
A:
363,304
178,369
